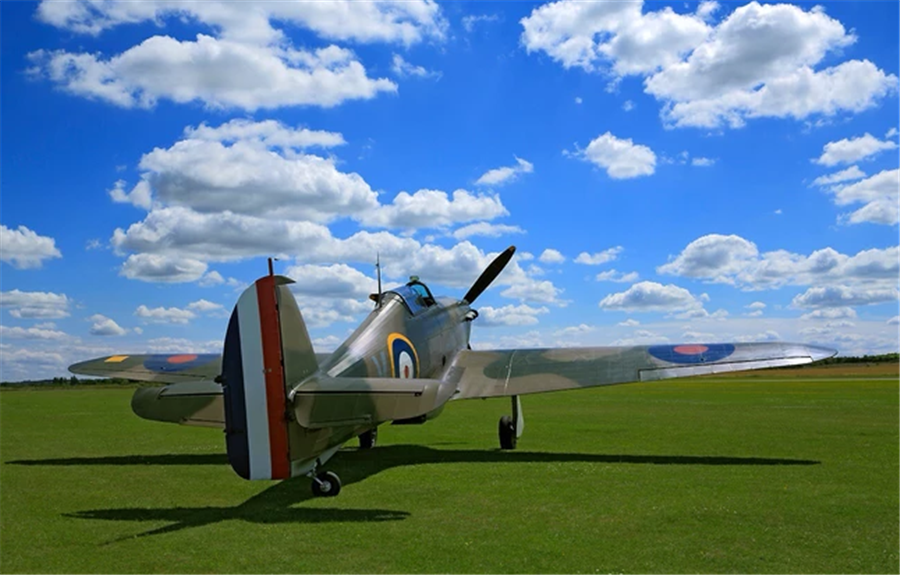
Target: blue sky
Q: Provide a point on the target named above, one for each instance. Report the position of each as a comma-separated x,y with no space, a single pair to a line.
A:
669,172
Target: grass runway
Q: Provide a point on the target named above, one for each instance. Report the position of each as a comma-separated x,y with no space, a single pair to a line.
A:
770,474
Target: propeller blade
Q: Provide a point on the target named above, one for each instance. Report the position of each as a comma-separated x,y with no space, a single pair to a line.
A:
489,274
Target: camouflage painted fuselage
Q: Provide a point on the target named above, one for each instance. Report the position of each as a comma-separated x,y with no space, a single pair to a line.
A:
434,335
392,343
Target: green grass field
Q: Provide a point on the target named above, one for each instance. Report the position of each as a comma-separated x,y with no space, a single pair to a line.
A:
705,475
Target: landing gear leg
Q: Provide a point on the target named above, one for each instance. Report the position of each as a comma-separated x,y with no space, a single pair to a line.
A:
326,484
511,428
367,440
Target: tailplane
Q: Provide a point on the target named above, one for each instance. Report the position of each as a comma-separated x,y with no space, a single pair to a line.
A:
267,352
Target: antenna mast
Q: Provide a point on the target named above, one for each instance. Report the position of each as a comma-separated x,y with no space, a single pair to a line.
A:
378,273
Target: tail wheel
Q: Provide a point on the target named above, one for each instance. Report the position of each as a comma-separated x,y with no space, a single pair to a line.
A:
326,484
367,440
507,431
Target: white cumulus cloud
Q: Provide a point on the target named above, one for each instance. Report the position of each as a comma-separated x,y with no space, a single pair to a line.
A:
510,315
205,306
434,208
652,296
248,63
621,158
617,276
332,281
104,326
761,60
23,248
850,150
551,256
470,22
506,174
486,229
245,169
35,305
831,313
846,175
211,278
734,260
406,22
219,73
270,133
842,296
880,195
245,189
402,68
162,268
591,34
7,332
599,258
164,314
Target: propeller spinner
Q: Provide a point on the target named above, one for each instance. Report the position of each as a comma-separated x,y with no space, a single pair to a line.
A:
489,274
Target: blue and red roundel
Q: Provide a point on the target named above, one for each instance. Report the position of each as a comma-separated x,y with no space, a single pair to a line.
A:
692,353
404,359
168,363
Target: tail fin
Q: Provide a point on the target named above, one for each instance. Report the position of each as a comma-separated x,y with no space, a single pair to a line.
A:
267,352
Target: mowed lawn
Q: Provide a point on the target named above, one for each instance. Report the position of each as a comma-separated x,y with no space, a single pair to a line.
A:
765,474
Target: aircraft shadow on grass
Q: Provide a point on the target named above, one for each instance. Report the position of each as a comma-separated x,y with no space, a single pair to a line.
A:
277,503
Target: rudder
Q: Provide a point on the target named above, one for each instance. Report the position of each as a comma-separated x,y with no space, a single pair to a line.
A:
267,350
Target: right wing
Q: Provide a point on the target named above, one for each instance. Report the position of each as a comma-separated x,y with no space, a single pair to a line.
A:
524,371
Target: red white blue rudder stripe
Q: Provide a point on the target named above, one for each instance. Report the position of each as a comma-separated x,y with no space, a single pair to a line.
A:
256,425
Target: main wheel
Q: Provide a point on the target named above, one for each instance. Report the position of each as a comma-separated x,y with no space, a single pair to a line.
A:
507,431
367,440
326,484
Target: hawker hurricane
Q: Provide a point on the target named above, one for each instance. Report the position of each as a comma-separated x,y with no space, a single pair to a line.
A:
286,410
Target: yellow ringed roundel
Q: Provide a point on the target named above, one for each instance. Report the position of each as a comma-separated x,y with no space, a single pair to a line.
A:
404,358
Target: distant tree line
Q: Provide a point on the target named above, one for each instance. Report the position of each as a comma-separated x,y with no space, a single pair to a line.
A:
68,382
883,358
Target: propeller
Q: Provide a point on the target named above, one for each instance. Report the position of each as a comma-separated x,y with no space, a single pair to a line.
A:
489,274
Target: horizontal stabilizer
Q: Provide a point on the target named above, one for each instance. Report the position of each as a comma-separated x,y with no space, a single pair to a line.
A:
191,403
324,401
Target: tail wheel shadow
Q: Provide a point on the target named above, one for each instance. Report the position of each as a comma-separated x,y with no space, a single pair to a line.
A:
274,505
277,503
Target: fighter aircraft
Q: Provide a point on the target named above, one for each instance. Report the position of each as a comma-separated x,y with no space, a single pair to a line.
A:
286,410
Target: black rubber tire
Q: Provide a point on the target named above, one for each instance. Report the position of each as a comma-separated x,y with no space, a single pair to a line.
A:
328,484
368,439
507,432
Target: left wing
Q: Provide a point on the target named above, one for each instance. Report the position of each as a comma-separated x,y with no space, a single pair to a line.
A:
160,368
524,371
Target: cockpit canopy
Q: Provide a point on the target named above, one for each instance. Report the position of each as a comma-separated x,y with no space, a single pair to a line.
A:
415,295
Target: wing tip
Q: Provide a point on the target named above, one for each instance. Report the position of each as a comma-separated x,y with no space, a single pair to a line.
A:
80,368
818,352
